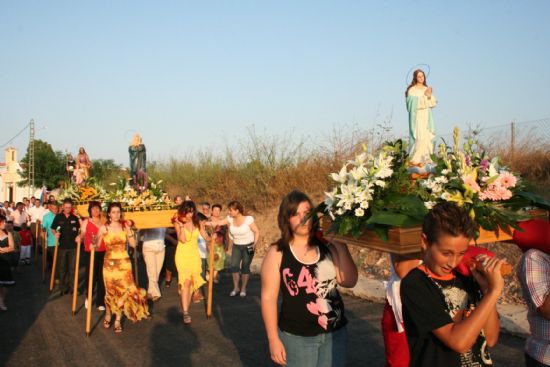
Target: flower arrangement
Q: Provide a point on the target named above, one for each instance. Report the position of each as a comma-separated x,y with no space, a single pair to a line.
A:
83,194
377,192
151,198
373,192
468,177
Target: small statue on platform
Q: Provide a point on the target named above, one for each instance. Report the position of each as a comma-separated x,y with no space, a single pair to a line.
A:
83,163
138,160
420,102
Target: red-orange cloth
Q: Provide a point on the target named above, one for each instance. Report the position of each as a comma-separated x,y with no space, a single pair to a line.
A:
536,234
463,268
395,343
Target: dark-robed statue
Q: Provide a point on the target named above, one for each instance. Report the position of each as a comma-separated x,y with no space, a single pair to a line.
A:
138,160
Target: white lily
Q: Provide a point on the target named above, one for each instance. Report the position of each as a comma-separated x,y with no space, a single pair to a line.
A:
330,198
358,173
341,176
359,159
347,195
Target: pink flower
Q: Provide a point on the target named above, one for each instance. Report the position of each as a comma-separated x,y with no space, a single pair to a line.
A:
471,183
495,193
503,193
507,180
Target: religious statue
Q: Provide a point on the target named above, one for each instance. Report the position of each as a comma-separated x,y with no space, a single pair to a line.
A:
420,102
83,163
138,159
70,165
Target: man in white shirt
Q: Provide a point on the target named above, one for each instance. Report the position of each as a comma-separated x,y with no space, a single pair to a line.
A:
36,214
19,216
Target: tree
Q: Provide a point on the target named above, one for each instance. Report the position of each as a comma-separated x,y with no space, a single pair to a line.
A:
105,171
49,166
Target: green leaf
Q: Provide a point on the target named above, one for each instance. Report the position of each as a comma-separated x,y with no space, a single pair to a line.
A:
382,232
392,219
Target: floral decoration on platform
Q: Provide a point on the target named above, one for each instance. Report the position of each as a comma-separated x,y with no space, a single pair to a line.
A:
132,199
84,194
377,192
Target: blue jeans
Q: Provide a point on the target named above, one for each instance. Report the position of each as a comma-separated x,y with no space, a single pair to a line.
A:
324,350
238,254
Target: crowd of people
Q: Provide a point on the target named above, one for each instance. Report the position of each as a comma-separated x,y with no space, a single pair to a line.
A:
434,316
179,250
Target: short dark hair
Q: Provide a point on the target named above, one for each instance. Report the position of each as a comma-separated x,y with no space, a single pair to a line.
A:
67,201
93,204
205,203
217,206
235,205
448,218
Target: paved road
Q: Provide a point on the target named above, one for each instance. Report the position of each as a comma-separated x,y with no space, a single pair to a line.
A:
39,330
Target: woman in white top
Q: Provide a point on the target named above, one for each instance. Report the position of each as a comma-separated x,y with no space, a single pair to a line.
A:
245,235
420,102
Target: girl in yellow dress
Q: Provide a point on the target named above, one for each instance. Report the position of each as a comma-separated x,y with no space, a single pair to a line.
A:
188,260
121,293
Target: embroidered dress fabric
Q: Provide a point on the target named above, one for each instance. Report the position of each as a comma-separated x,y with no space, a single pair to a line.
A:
122,296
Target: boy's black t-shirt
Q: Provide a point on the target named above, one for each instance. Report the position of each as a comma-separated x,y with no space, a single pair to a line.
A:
428,304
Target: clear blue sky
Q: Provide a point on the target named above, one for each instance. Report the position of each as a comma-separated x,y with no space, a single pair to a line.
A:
192,74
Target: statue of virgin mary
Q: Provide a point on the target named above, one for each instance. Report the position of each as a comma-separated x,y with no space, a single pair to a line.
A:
420,102
138,161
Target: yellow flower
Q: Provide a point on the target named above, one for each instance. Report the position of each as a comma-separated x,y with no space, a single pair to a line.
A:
457,198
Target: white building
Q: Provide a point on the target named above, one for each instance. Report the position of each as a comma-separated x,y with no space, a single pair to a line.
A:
10,177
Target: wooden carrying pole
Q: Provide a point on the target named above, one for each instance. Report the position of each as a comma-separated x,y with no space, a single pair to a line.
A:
44,254
90,291
37,239
75,285
54,264
211,277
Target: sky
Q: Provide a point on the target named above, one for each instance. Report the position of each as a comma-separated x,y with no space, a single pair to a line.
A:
192,76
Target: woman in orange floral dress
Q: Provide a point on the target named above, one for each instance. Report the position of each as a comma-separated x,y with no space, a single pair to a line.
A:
122,296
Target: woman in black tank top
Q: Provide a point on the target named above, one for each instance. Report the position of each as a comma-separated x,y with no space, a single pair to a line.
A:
310,327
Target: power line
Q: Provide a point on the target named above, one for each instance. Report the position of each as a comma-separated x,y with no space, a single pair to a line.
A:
19,133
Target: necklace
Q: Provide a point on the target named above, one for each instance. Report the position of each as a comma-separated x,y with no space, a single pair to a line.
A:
305,251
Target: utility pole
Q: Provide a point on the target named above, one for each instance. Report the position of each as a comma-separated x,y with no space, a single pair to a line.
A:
31,158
